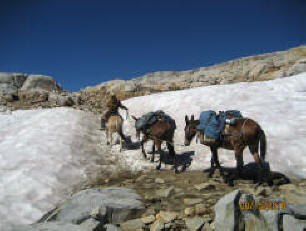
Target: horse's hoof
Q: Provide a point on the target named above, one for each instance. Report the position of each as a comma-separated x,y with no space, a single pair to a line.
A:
177,171
158,167
270,183
152,160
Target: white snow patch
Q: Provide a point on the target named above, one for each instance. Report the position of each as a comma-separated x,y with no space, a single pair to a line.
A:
279,106
43,155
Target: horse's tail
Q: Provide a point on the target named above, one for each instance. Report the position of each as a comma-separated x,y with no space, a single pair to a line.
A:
263,144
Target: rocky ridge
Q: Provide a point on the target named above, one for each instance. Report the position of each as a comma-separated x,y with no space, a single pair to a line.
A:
253,68
23,91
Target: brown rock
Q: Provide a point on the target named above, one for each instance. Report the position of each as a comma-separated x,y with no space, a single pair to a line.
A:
167,216
201,209
192,201
205,186
158,225
148,220
132,225
189,211
159,181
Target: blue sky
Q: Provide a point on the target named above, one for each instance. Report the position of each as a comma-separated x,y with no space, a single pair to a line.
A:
83,43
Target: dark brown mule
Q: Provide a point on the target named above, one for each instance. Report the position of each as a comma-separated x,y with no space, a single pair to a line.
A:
158,132
245,132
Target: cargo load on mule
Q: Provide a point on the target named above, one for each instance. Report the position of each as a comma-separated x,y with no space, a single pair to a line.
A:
212,124
148,119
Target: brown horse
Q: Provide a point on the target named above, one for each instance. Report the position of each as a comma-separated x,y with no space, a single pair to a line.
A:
114,124
245,132
158,132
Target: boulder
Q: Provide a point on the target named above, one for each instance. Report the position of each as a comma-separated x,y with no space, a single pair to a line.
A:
9,85
195,223
158,225
33,96
298,67
298,211
111,205
165,193
167,216
205,186
227,212
132,225
54,226
40,82
290,223
111,227
192,201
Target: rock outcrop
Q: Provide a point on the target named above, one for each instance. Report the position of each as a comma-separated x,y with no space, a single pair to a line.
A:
91,209
237,211
22,91
253,68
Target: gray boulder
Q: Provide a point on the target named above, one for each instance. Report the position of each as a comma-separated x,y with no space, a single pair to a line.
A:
9,85
290,223
237,211
40,82
297,68
50,226
298,211
255,219
227,212
111,227
108,205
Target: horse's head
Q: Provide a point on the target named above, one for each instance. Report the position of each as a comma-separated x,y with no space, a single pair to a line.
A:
137,130
190,129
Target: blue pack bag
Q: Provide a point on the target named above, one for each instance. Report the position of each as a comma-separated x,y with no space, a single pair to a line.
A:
210,124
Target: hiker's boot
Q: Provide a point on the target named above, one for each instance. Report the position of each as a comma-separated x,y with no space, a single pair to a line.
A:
103,127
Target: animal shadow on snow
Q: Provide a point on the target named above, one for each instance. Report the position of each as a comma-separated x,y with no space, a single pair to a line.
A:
250,171
129,145
183,160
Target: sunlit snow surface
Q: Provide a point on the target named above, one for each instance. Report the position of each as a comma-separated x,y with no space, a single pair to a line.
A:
45,153
279,106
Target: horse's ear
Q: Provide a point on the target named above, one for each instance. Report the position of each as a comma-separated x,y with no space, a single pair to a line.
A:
192,117
186,119
134,117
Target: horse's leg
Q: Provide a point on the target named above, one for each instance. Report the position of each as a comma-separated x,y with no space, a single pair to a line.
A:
239,160
214,152
144,139
120,138
106,134
254,151
153,151
212,166
172,154
111,136
158,145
